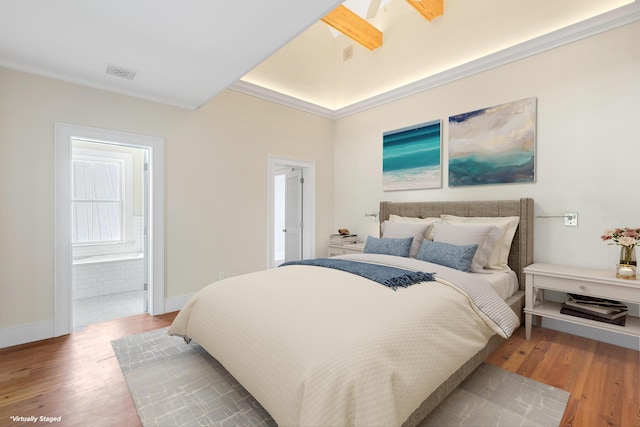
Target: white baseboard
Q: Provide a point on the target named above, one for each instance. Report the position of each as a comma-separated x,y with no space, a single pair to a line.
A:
23,334
31,332
176,303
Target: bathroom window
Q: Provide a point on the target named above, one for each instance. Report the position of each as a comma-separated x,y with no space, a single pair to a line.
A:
98,197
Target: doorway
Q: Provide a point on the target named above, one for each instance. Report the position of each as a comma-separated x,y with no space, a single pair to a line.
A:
291,210
109,218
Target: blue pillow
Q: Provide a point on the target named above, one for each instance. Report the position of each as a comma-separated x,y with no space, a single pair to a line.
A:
388,246
454,256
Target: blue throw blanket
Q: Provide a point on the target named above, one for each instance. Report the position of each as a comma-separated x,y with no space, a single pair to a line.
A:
391,277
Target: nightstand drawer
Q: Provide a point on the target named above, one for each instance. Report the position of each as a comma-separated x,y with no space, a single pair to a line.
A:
586,288
335,250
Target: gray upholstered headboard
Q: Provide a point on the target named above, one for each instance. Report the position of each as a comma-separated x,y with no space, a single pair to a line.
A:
521,254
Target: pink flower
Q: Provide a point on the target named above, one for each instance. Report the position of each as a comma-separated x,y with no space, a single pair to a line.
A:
622,236
607,235
627,241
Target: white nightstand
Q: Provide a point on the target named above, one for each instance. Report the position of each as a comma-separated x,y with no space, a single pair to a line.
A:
577,280
354,248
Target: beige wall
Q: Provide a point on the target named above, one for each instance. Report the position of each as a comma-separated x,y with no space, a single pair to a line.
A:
587,155
215,181
588,144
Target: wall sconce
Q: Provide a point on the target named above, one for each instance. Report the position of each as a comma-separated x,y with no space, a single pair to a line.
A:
570,218
373,216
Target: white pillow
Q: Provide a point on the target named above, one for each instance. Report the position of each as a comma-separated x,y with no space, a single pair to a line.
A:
415,220
412,220
499,258
485,236
397,230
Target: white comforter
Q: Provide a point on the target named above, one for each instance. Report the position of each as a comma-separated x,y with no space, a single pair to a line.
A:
321,347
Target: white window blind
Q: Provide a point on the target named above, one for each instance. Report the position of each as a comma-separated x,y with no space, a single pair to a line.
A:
97,200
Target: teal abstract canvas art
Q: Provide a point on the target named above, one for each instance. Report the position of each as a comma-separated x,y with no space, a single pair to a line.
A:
411,157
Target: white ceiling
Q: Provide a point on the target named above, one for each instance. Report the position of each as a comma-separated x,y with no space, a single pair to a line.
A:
184,53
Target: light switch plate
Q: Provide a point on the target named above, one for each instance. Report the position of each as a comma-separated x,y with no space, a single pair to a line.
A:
571,219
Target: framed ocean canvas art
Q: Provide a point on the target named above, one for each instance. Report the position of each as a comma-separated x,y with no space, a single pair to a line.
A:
494,145
412,157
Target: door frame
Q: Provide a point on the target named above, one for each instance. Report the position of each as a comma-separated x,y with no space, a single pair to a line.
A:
62,236
274,164
295,223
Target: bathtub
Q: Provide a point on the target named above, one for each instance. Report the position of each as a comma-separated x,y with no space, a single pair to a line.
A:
99,275
94,259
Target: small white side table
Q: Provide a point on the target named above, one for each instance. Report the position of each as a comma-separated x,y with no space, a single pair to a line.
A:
577,280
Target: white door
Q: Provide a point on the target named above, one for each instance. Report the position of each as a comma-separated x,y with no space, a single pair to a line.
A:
293,214
298,205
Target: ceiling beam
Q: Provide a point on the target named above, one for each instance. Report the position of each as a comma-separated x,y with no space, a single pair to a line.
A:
430,9
355,27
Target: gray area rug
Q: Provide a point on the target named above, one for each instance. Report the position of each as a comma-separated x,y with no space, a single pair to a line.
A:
494,397
174,384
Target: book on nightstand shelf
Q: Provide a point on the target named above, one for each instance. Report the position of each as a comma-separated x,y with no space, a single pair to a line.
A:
568,310
598,309
599,302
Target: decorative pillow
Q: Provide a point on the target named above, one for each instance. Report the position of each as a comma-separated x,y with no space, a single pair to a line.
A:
454,256
387,246
414,220
399,230
485,237
499,258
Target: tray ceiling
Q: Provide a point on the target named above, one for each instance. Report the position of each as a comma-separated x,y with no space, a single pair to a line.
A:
184,53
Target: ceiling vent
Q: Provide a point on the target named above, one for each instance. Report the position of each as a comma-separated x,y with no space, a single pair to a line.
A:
122,72
347,53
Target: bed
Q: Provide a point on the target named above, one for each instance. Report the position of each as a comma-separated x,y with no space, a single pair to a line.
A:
320,346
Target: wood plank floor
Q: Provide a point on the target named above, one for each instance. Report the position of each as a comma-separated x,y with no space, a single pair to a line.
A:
77,377
603,379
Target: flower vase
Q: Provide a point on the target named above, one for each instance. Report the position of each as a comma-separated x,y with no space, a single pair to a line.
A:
626,269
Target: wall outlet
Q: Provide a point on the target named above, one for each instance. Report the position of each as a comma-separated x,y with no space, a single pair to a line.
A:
571,219
221,275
